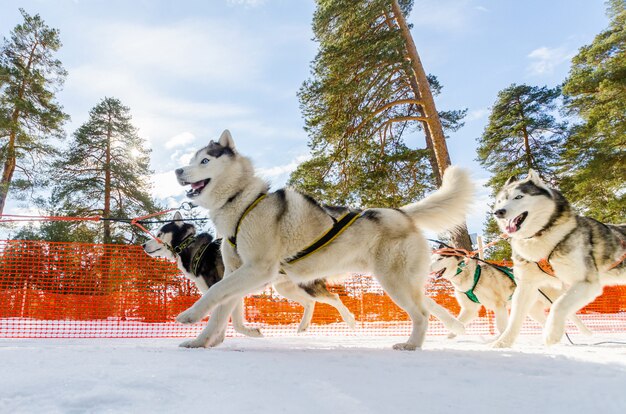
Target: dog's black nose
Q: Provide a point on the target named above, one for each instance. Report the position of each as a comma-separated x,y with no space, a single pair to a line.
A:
179,171
499,213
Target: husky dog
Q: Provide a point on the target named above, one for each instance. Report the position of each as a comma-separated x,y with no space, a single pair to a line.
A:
287,230
198,257
478,284
584,253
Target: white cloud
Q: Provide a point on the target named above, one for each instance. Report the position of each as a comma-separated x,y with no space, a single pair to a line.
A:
546,59
246,3
158,117
165,185
180,140
476,114
208,50
480,206
181,158
279,174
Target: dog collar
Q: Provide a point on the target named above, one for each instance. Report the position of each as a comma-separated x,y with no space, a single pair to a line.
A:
233,239
182,246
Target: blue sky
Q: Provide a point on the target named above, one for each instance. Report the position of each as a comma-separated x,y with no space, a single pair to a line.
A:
190,69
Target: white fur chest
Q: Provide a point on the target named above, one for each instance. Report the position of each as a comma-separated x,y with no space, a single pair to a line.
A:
199,281
535,249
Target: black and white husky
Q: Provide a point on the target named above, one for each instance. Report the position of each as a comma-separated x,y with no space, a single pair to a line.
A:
477,283
584,253
286,230
199,259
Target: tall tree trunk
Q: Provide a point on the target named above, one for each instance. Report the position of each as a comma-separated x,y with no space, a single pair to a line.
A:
9,168
525,135
107,185
428,103
435,138
11,160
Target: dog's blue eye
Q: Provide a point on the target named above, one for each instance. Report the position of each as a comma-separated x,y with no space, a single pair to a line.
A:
204,161
518,197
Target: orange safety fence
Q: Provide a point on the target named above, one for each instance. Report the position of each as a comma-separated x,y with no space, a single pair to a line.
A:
77,290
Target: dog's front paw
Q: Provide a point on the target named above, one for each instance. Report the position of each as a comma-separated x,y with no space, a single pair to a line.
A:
188,316
405,346
451,335
456,327
351,321
553,334
502,342
193,343
253,333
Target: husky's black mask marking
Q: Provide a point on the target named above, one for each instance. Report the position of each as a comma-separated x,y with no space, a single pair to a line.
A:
216,150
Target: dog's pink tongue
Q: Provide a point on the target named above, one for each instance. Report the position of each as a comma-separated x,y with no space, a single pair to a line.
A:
511,227
197,185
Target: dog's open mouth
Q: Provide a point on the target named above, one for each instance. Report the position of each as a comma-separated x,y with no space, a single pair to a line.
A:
516,223
439,273
197,187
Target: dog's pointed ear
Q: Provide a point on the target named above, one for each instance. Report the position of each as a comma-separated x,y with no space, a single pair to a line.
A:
534,177
226,140
178,218
511,179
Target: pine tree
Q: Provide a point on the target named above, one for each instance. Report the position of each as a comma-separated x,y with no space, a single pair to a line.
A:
522,133
593,165
30,76
368,95
106,171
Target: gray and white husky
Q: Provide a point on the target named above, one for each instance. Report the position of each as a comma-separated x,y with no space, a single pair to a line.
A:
199,259
584,253
268,232
478,284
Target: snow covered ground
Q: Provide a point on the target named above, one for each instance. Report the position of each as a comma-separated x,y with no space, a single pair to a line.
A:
311,375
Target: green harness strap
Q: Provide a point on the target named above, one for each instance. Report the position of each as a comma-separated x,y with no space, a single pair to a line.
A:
470,293
507,271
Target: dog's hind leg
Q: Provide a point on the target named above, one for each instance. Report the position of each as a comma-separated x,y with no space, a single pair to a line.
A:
405,290
238,320
307,316
582,328
293,292
502,317
332,299
578,295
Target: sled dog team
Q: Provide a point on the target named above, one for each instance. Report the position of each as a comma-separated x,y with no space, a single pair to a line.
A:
289,240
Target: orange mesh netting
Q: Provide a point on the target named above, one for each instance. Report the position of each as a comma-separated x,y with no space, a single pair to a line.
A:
74,290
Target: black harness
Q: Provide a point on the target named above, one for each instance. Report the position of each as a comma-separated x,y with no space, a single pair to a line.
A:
196,259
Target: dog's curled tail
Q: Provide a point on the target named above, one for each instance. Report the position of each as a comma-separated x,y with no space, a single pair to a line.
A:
445,208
